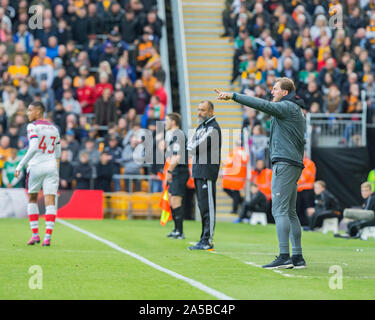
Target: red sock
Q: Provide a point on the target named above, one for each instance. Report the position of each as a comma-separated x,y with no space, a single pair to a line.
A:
33,213
50,220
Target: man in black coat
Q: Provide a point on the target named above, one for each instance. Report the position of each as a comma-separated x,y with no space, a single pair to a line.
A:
81,27
83,172
65,171
104,172
205,147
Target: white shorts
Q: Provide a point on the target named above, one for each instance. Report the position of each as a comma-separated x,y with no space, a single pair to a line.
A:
44,176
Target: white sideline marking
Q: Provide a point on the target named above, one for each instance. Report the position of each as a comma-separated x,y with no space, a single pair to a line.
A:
192,282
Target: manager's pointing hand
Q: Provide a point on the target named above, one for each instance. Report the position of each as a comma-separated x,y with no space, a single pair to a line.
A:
223,95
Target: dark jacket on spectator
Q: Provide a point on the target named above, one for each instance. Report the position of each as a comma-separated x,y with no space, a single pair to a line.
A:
105,112
66,173
111,20
325,201
83,182
104,176
128,30
116,154
81,29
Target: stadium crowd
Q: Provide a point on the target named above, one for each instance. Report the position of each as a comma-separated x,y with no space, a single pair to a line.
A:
96,67
303,40
326,47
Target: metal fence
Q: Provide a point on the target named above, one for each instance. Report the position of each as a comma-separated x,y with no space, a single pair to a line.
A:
337,129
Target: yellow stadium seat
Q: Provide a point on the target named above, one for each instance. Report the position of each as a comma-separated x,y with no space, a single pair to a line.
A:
140,204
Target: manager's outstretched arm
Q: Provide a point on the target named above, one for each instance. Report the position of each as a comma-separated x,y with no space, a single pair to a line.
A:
276,109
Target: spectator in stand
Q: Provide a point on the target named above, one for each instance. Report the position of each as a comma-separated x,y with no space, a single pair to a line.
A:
258,203
84,73
91,151
108,55
70,104
104,173
3,120
85,96
103,84
59,117
154,63
124,69
113,17
142,97
24,37
325,206
72,144
81,26
154,111
144,49
47,96
114,152
94,50
18,70
128,27
83,128
83,172
105,109
52,47
333,100
4,150
121,104
312,94
131,166
65,171
8,178
11,104
330,68
160,92
259,144
149,81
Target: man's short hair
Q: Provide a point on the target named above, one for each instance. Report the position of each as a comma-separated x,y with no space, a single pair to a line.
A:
38,104
321,183
176,118
286,84
366,185
209,103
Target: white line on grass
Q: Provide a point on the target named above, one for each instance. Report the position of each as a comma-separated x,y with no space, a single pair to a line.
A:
192,282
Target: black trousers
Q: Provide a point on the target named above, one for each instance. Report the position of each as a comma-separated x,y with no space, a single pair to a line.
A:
317,218
236,197
206,196
354,227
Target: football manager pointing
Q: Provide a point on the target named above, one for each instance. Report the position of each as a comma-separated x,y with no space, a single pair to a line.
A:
286,148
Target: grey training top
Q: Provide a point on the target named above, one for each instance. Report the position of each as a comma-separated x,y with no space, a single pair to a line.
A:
288,125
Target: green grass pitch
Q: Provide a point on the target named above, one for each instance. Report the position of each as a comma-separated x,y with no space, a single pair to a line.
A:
79,267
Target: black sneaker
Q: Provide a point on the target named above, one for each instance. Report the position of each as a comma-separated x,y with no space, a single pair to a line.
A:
179,236
280,263
298,262
172,234
202,246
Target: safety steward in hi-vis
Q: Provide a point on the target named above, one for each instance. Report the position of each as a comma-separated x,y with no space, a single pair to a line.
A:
178,171
205,148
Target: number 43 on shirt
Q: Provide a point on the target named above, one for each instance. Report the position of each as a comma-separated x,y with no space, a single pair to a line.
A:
43,145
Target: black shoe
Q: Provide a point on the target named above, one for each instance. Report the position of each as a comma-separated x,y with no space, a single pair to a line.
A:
298,262
179,236
280,263
172,234
202,246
